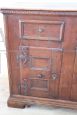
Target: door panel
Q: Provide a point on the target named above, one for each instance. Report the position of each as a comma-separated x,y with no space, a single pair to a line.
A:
41,71
55,72
36,71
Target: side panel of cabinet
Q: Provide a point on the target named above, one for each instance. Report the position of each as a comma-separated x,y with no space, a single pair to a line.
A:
66,74
74,81
11,59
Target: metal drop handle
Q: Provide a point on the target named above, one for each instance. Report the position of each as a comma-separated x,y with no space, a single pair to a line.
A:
54,76
40,30
41,76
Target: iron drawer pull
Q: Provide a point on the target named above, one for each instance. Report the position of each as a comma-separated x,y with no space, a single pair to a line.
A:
40,30
54,76
40,75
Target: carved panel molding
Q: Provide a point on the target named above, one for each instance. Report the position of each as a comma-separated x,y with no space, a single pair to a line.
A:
38,12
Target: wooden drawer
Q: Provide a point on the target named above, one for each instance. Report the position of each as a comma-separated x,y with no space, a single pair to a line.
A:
41,29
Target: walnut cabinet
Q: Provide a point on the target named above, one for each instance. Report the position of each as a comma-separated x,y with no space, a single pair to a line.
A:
42,57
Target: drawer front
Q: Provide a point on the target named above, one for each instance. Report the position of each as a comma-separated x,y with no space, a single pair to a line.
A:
41,29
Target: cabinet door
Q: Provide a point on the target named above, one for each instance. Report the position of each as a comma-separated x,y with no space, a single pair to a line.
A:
35,71
39,71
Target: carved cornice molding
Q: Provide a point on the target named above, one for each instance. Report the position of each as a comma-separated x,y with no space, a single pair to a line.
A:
40,12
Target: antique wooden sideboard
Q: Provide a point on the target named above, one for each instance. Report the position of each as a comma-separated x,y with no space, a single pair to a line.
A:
42,57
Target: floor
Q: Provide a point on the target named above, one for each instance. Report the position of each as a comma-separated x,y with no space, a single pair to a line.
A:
33,110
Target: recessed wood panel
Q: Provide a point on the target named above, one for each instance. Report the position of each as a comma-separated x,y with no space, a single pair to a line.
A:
38,85
40,63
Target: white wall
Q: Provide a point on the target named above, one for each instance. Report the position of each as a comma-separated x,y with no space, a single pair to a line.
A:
40,4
